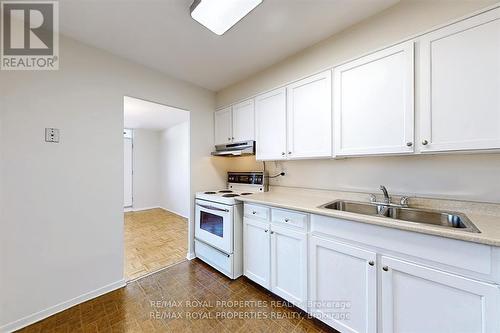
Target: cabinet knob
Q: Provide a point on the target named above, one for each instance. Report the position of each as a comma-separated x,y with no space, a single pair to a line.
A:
425,142
272,232
228,139
371,263
409,144
289,153
385,268
254,212
287,220
266,230
232,138
283,154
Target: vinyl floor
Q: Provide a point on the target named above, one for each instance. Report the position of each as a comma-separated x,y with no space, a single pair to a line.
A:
187,297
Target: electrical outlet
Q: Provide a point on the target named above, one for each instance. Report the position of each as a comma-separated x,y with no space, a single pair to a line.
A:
52,135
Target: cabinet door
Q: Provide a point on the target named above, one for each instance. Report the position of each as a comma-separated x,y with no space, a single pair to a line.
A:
270,125
418,299
243,121
256,252
223,124
309,112
343,286
460,85
373,103
289,265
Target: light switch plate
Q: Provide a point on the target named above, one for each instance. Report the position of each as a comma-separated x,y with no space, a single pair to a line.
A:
52,135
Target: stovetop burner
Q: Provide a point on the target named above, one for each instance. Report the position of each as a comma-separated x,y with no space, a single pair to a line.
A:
209,192
225,191
246,193
230,195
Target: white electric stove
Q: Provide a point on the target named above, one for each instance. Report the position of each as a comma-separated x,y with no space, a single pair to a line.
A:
219,221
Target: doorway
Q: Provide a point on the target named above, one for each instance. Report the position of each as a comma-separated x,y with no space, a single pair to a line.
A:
156,186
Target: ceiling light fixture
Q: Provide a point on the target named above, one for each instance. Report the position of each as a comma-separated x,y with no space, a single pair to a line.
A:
220,15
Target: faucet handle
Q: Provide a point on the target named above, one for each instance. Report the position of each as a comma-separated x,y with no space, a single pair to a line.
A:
373,198
404,201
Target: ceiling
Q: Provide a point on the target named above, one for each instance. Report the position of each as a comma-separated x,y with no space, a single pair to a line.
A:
139,113
161,34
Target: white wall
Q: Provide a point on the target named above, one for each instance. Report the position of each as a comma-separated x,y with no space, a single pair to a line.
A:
147,169
468,177
174,163
62,204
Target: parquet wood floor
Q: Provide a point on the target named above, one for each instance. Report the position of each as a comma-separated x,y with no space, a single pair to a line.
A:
154,239
188,297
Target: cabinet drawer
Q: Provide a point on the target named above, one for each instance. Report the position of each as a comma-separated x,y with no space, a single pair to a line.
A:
290,218
257,212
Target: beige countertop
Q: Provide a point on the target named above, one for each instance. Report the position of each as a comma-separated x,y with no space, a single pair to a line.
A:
485,216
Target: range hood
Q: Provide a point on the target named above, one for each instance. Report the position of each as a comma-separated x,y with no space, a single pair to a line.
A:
235,149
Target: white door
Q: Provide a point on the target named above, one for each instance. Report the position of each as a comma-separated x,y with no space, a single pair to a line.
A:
223,126
214,225
309,112
343,287
418,299
128,171
243,121
373,103
289,265
460,85
270,125
256,252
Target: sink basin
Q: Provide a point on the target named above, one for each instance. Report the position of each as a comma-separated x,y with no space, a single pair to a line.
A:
423,216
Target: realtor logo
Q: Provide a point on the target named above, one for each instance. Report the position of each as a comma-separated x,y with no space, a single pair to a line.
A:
29,35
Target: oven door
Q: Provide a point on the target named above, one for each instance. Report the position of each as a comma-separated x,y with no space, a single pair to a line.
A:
214,225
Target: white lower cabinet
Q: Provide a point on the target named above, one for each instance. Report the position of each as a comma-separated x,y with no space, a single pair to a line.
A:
289,265
418,299
363,278
343,285
276,258
256,252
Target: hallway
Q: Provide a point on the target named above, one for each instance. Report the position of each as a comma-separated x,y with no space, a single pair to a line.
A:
154,239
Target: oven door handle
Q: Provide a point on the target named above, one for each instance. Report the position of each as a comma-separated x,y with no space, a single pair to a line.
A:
214,208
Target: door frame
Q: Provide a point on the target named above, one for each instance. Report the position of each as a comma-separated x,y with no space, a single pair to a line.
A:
190,238
131,207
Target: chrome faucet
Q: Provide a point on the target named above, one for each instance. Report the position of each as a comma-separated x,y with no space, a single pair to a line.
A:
387,198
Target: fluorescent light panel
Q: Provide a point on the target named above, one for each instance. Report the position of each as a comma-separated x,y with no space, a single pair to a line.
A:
220,15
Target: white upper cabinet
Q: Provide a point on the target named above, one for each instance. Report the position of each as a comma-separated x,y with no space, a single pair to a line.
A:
223,126
373,103
460,85
243,121
309,112
270,125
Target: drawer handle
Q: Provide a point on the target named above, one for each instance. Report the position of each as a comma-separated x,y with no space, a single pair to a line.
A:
371,263
385,268
287,220
266,230
254,212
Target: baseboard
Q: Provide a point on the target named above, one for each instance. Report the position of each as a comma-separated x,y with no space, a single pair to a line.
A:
33,318
173,211
133,209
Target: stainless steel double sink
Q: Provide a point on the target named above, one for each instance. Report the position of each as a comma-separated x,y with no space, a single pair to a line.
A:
422,216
